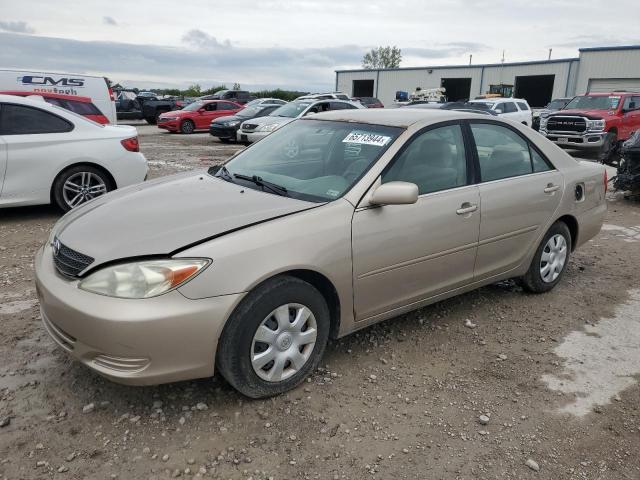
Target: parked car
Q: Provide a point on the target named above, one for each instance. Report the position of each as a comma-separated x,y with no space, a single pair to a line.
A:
132,106
98,89
51,155
369,102
265,101
226,128
480,108
324,96
237,96
80,105
595,121
197,115
553,106
330,224
254,130
515,109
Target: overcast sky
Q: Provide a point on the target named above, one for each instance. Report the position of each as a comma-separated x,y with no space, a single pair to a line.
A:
293,44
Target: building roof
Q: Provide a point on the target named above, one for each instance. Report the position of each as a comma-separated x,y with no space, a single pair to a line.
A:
604,49
477,65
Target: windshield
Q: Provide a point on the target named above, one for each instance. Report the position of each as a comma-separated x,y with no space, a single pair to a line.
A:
250,112
556,104
313,160
195,106
290,110
593,103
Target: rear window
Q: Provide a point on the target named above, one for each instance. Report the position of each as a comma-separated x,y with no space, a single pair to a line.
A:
81,108
523,106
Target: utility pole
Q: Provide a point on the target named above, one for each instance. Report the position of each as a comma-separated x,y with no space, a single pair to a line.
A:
470,57
550,50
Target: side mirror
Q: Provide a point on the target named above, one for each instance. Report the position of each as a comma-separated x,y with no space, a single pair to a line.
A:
395,193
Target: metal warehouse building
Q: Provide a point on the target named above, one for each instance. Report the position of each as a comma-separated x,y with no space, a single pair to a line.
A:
600,69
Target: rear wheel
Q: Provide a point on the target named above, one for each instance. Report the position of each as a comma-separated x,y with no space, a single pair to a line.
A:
224,140
78,185
187,127
275,338
151,120
550,260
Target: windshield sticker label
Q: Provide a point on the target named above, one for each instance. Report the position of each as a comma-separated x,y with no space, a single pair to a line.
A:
333,193
364,138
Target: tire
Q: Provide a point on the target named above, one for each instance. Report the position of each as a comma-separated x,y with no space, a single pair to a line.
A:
78,185
187,127
557,236
224,140
237,347
152,120
608,151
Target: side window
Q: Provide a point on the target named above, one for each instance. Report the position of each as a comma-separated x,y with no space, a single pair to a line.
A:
210,107
539,163
502,153
22,120
227,106
636,101
434,161
523,106
339,106
499,108
509,107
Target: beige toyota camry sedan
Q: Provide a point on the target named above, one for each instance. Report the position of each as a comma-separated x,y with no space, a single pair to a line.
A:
330,224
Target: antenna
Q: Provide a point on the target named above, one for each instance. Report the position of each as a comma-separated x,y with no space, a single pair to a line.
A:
550,50
470,58
502,56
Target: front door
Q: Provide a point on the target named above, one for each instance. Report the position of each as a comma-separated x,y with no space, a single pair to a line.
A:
519,190
406,253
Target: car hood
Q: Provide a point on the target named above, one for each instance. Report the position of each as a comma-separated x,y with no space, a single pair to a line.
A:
230,118
179,113
166,215
591,114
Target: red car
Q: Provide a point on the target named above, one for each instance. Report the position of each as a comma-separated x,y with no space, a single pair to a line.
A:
197,115
81,105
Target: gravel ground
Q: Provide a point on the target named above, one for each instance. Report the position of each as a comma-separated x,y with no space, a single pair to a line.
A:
495,384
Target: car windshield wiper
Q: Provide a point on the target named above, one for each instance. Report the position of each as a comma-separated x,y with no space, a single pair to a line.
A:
275,188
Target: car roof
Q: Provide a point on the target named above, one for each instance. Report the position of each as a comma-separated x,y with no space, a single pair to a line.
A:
606,94
22,93
497,100
392,117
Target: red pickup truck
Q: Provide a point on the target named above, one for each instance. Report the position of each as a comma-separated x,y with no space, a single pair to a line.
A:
598,121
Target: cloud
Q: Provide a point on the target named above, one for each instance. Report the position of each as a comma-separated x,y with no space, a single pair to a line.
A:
109,21
15,27
446,50
199,39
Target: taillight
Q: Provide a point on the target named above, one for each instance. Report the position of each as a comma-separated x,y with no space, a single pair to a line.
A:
606,180
131,144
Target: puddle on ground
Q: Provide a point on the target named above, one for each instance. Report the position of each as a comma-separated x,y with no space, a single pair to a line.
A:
601,360
628,234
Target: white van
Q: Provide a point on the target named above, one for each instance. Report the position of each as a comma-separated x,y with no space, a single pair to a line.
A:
94,87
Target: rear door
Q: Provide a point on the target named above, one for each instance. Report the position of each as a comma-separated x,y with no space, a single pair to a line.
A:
520,190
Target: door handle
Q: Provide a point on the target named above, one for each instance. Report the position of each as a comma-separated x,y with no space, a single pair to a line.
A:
551,188
465,208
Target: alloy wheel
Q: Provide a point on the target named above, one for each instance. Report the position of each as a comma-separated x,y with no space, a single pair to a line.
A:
82,187
283,342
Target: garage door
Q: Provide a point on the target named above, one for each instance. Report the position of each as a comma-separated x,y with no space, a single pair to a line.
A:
614,84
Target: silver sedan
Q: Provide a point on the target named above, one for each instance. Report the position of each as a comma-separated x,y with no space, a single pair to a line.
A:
332,223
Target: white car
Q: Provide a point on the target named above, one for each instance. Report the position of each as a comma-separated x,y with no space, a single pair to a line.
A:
257,128
265,101
325,96
51,155
515,109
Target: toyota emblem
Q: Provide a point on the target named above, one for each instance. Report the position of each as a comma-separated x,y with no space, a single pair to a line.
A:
55,245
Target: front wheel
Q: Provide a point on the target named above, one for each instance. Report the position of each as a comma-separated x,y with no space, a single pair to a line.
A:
187,127
78,185
275,338
550,260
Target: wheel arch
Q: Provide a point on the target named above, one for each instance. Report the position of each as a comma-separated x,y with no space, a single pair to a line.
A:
114,184
572,224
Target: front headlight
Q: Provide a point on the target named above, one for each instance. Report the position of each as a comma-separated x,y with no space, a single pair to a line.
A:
543,122
143,279
233,124
167,119
269,127
595,125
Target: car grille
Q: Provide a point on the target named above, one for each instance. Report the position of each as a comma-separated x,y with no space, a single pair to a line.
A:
68,261
566,124
249,126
